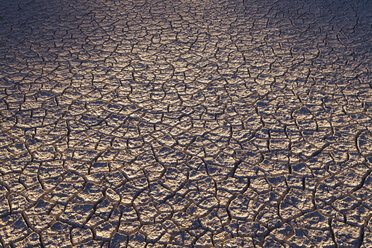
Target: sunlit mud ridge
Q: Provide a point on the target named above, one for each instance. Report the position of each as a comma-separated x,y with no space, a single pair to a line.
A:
184,123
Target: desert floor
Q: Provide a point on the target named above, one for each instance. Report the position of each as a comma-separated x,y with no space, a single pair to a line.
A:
185,123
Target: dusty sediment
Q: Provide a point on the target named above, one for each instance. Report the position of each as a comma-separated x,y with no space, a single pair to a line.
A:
212,123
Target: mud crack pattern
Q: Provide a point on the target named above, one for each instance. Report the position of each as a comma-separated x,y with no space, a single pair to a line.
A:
212,123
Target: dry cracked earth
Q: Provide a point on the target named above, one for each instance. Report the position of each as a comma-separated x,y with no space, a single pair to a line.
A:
185,123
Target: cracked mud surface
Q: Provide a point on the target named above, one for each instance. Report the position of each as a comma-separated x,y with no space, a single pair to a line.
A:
185,123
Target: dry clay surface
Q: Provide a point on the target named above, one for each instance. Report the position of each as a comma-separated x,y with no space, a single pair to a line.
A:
185,123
